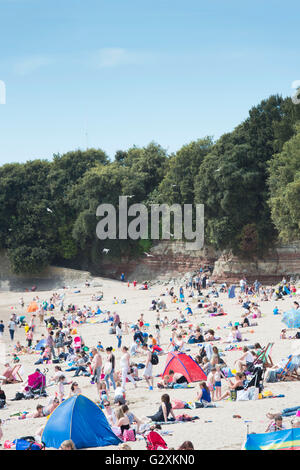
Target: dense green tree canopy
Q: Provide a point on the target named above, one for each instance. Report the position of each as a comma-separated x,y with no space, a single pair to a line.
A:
248,180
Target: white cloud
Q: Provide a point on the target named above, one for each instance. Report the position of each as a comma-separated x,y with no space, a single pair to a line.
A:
31,64
115,57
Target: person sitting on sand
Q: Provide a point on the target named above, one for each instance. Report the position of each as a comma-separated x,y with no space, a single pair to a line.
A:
42,411
166,382
276,425
186,445
210,335
74,390
67,445
245,362
132,418
237,385
177,378
204,393
122,421
164,411
110,413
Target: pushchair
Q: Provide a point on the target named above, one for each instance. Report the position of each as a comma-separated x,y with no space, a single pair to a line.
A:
154,441
36,385
256,379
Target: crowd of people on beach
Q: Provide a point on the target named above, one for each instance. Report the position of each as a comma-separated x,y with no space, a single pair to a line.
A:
52,334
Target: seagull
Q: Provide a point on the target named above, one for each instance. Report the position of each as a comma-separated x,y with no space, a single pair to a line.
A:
148,254
49,210
219,169
174,185
129,196
105,250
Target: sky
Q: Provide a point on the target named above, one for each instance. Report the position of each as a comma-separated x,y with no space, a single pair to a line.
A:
111,74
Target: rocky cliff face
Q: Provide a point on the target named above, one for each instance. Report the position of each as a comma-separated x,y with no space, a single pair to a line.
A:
282,261
167,260
170,259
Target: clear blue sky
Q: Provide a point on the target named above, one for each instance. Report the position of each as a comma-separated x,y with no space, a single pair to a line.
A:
114,73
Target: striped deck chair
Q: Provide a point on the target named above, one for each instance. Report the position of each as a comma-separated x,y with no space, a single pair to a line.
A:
264,356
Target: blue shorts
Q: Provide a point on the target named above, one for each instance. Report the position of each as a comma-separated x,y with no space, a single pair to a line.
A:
218,384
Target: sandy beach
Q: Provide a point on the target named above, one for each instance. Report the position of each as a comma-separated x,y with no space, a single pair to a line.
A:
216,428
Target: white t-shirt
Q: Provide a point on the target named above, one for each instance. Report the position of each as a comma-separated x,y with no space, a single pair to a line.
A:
119,392
249,357
133,348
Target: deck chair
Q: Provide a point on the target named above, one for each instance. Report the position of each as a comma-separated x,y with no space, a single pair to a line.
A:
264,356
15,374
286,371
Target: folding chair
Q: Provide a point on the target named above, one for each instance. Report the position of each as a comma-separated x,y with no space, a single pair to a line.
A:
264,356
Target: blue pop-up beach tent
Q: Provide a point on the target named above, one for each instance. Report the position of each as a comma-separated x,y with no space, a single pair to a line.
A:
41,344
80,419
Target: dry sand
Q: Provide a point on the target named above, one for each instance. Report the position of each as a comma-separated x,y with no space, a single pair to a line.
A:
223,432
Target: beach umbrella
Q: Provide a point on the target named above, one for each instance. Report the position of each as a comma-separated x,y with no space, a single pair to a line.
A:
32,307
291,318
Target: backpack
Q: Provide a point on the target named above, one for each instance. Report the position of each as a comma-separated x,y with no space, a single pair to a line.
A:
154,359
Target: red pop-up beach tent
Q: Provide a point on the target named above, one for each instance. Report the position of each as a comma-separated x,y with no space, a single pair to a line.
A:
185,365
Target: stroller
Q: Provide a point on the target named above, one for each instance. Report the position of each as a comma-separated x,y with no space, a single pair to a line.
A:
36,386
256,379
154,441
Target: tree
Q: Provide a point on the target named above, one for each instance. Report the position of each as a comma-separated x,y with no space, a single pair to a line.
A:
284,185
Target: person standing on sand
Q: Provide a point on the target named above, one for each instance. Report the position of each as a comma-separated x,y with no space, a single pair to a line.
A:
119,334
11,328
1,328
125,368
148,374
96,366
50,344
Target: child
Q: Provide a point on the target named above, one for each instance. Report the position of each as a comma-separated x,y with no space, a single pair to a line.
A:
218,383
157,334
211,382
283,334
119,394
61,389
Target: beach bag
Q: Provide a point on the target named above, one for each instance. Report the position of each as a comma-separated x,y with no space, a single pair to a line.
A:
154,359
233,394
242,395
128,435
178,404
107,368
28,443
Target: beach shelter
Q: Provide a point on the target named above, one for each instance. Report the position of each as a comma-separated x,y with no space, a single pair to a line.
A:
288,439
291,318
184,364
80,419
41,344
32,307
